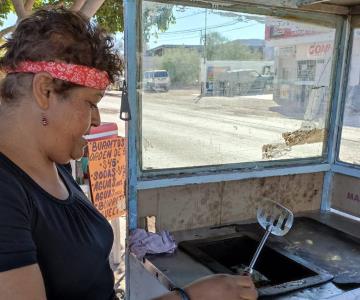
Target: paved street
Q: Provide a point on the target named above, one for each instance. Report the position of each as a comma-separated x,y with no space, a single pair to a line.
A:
180,129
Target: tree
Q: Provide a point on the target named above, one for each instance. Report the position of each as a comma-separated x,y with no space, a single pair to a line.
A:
220,48
158,17
5,9
109,13
214,40
2,52
185,73
23,8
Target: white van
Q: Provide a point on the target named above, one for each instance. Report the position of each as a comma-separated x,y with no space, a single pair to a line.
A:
156,80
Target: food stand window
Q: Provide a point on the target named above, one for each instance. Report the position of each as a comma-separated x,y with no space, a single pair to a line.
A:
168,175
235,87
350,136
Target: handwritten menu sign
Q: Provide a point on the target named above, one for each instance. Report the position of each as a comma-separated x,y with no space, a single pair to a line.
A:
107,162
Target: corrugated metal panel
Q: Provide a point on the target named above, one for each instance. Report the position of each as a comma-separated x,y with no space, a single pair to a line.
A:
334,2
300,5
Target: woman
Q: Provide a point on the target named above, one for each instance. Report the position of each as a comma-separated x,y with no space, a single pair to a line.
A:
53,243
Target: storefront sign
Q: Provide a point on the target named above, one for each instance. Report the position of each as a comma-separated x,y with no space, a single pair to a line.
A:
107,163
282,29
213,72
320,50
314,51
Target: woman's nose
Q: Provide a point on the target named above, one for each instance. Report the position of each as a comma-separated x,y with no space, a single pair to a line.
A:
95,117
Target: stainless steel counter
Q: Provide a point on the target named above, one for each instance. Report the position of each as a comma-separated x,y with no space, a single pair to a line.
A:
180,269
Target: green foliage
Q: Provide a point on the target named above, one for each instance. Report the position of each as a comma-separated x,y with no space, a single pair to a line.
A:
2,52
41,3
157,17
110,16
185,73
5,8
2,41
220,48
213,41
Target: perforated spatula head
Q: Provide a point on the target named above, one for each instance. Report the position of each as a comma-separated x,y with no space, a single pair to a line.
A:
272,213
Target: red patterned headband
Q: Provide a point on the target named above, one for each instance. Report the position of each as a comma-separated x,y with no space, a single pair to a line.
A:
78,74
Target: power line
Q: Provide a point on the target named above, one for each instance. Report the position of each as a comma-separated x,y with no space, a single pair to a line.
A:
190,35
180,38
241,27
194,14
199,28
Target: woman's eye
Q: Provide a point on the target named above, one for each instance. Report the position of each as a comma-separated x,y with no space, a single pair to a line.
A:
92,105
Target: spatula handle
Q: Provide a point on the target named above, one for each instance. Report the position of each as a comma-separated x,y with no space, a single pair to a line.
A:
249,270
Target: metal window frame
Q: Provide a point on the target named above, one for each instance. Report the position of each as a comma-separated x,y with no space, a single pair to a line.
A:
131,9
339,166
330,165
314,18
337,112
223,170
137,180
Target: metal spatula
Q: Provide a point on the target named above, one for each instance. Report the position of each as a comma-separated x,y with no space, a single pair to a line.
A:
275,219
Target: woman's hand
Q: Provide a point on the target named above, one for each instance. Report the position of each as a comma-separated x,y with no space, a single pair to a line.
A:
229,287
215,287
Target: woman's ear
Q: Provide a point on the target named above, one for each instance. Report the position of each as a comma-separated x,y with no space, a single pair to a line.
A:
43,87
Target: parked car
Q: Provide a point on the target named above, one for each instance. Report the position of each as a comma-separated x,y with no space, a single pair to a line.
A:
156,80
243,82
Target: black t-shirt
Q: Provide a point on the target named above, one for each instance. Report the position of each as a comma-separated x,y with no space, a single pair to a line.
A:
69,239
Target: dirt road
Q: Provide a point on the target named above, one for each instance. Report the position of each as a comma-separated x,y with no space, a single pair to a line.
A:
180,129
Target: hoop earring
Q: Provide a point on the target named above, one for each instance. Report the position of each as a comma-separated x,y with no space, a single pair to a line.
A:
44,120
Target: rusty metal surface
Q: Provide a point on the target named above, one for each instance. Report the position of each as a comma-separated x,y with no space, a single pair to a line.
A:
200,205
180,269
277,271
304,5
330,249
332,2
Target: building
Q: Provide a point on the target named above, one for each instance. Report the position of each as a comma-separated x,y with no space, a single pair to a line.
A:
302,59
160,50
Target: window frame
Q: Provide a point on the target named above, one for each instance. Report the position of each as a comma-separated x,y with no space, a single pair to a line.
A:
137,181
343,167
332,21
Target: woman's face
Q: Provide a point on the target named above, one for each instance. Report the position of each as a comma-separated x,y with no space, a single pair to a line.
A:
69,120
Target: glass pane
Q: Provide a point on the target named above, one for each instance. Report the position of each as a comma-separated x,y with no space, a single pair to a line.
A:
350,137
234,87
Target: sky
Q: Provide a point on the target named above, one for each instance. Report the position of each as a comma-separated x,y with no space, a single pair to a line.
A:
9,21
190,27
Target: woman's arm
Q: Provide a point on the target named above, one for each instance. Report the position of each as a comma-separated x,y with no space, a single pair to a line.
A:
229,287
25,283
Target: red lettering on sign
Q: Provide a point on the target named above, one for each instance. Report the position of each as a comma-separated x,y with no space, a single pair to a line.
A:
353,197
319,49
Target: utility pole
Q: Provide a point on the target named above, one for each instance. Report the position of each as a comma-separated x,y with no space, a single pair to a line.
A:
205,36
204,88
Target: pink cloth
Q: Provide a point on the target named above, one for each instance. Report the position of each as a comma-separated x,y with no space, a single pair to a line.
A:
143,242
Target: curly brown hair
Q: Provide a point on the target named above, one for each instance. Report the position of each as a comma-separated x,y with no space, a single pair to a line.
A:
57,35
